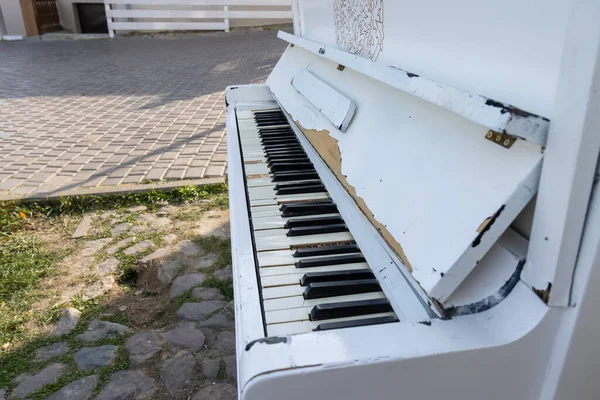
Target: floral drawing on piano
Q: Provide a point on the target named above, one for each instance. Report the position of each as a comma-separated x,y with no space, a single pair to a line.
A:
359,27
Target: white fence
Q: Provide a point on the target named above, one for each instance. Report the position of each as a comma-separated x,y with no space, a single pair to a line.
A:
168,15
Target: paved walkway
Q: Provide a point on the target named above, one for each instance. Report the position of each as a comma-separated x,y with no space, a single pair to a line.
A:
97,115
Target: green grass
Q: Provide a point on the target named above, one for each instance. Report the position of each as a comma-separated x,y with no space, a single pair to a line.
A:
21,215
20,359
226,287
222,247
23,263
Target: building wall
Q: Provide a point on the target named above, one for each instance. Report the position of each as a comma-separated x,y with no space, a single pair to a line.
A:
13,19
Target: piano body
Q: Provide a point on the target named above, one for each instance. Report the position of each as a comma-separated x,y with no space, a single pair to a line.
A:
413,203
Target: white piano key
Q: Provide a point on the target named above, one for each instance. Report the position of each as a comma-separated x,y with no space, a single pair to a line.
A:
255,154
293,277
282,291
287,242
256,182
255,159
277,221
263,202
251,141
257,169
283,316
268,259
291,269
261,192
287,303
265,211
290,198
274,258
269,232
291,328
255,149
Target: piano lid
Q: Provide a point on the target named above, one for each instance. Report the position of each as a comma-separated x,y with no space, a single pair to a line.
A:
430,164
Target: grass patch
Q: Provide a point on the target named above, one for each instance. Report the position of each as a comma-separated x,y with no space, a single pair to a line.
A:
23,215
222,247
26,260
23,263
185,298
225,287
21,359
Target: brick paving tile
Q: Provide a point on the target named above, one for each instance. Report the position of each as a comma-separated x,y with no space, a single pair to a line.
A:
76,121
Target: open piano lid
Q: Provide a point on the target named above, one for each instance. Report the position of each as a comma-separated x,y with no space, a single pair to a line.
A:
421,159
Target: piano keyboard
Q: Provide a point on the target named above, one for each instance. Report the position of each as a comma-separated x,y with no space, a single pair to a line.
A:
313,275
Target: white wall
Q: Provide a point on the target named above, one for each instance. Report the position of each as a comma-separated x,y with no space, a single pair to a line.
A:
13,19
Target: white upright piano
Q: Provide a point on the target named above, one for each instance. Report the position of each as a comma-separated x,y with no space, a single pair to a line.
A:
414,210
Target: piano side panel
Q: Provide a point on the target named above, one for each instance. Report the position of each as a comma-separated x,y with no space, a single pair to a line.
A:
427,179
248,313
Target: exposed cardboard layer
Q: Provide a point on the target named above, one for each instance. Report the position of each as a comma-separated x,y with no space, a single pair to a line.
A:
328,149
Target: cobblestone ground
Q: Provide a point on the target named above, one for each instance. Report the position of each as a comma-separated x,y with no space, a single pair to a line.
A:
108,113
170,335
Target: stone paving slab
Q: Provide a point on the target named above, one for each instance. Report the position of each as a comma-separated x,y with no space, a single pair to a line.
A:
95,116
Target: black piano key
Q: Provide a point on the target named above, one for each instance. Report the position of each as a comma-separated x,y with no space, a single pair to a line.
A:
273,145
274,132
278,136
281,149
274,153
286,153
282,157
294,176
333,260
258,118
347,309
308,182
357,322
319,290
279,140
313,221
316,230
327,250
270,149
268,117
300,190
300,209
297,160
283,166
268,112
273,122
336,276
282,146
264,133
288,164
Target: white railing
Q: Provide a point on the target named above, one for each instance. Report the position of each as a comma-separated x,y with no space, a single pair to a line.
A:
168,15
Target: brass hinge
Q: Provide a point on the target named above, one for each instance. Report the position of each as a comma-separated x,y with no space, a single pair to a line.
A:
340,67
501,139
